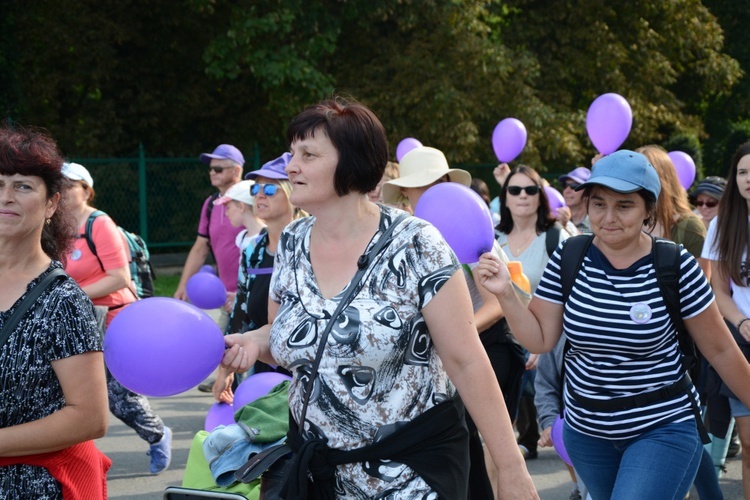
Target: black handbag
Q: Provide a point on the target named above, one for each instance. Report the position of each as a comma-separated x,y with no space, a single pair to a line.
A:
261,462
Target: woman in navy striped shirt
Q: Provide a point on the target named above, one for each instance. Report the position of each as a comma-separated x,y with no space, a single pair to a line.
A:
623,343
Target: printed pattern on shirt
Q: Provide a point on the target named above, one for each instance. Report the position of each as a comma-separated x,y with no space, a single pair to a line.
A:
60,324
380,368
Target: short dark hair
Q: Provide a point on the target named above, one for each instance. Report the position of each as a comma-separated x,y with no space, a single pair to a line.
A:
30,151
357,135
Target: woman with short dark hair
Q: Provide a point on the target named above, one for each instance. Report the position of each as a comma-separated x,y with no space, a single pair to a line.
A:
374,405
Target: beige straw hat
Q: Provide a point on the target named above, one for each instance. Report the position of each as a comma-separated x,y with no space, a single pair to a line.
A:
421,167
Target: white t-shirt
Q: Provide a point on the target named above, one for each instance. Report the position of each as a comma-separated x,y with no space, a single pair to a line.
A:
740,293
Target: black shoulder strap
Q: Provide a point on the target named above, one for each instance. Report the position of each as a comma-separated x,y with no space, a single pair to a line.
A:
27,302
88,234
571,258
666,255
552,238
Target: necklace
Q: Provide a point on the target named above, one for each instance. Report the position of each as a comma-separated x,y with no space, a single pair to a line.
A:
519,246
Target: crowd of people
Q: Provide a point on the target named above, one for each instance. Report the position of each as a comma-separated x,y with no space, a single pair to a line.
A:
412,374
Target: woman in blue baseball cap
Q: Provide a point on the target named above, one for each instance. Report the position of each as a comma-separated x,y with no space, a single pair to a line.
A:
631,410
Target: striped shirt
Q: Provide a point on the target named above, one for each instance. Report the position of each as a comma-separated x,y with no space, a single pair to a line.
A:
622,341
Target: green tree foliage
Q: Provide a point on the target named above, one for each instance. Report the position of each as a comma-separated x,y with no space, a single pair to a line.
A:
106,75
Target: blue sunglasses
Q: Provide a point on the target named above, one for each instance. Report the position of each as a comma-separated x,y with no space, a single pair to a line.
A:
268,189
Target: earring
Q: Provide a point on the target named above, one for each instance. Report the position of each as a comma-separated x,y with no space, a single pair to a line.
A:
48,221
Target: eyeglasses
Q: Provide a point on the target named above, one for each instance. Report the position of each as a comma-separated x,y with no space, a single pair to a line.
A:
268,189
571,185
218,170
709,204
530,190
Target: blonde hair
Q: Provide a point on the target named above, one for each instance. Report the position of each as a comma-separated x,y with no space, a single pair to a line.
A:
286,186
673,199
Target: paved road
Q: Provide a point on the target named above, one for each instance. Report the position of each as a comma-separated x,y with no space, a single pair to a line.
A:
129,477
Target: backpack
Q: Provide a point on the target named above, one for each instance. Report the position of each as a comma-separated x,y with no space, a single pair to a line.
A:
141,271
666,255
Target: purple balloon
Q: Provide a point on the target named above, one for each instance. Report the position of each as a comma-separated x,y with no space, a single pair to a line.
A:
461,216
608,122
207,269
162,346
685,167
557,440
508,139
219,414
555,200
206,290
257,386
405,146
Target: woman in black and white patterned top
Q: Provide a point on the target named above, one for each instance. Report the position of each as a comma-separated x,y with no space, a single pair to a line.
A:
53,392
390,363
630,422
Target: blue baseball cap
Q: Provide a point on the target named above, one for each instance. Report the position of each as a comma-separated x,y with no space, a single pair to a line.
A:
274,169
224,152
625,171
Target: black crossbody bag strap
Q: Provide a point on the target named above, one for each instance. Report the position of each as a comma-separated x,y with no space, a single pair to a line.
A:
24,306
260,462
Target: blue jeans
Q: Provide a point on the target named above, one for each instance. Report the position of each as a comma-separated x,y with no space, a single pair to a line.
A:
659,464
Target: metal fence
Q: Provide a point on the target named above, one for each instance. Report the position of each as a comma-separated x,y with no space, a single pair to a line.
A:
161,198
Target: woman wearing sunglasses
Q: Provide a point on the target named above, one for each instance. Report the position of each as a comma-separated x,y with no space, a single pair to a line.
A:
525,219
268,189
706,197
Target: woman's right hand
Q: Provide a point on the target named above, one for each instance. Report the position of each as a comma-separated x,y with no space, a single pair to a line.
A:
494,274
241,353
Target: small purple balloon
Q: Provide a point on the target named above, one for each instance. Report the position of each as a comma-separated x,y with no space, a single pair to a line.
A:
557,440
608,122
461,216
206,290
555,199
207,269
219,414
509,139
162,346
257,386
685,167
405,146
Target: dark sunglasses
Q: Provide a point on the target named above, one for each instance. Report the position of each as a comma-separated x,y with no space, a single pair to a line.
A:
709,204
218,170
571,185
530,190
268,189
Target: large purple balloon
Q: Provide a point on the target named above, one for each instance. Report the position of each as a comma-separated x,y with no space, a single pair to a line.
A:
405,146
256,386
555,200
461,216
685,167
206,290
162,346
557,440
608,122
219,414
508,139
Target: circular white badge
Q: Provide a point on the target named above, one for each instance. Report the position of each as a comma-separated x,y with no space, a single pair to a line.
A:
640,313
75,255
